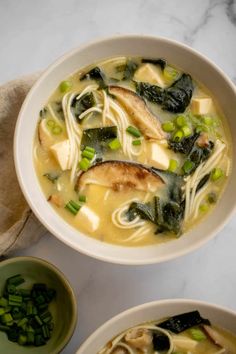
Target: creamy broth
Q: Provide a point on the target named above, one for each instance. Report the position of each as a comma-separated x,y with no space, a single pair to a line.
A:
100,216
153,337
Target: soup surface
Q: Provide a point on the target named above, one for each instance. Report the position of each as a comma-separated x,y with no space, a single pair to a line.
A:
186,333
132,151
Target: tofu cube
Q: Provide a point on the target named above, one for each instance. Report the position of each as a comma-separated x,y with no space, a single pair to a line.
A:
89,218
61,153
201,105
182,342
158,155
151,74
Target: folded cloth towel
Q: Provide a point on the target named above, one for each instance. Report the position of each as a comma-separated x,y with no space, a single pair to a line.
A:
19,228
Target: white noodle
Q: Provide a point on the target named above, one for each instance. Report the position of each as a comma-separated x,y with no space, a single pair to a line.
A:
54,116
117,341
90,110
192,201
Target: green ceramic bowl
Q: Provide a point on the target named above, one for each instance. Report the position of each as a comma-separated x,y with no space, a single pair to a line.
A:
63,308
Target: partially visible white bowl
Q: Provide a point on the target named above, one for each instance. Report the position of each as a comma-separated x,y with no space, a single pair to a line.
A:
156,311
182,56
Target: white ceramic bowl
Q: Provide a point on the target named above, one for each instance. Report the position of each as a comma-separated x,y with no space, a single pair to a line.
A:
155,311
180,55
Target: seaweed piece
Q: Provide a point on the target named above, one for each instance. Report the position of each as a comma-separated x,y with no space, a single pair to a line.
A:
160,341
178,96
98,138
180,323
203,181
185,145
52,177
145,211
174,99
43,112
96,74
82,104
159,62
152,93
174,182
129,70
173,214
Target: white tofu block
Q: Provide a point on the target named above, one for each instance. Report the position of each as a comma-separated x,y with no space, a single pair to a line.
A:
158,156
151,74
185,343
88,218
61,152
201,105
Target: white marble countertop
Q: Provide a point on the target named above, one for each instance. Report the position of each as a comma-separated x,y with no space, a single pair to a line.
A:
32,35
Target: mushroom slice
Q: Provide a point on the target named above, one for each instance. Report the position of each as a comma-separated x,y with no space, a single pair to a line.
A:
121,175
139,113
218,339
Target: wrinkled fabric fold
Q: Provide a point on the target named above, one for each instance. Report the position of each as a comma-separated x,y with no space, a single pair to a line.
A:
19,227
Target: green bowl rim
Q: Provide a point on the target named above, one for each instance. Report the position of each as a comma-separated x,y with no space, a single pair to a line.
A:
68,286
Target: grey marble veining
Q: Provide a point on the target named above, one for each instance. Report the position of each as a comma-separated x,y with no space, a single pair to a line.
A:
32,35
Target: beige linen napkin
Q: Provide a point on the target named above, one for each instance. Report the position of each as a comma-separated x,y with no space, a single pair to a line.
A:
19,228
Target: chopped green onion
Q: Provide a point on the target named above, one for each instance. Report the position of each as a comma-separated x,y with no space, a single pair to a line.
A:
89,148
180,121
168,127
197,334
212,198
25,317
15,280
114,144
136,142
188,166
178,136
3,302
170,73
133,131
65,86
73,207
22,340
51,123
82,198
216,174
204,207
2,311
22,322
207,120
84,164
186,130
56,130
201,128
173,165
90,155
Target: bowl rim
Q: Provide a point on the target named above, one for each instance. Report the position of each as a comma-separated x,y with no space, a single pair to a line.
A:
66,283
107,258
126,313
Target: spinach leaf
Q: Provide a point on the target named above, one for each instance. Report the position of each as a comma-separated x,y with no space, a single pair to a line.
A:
159,62
97,75
178,96
81,105
98,138
150,92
